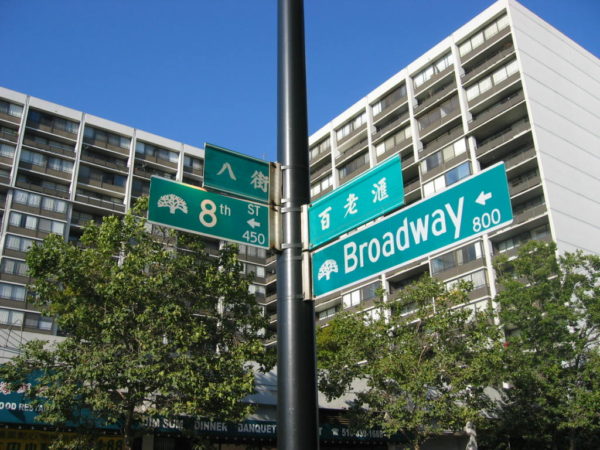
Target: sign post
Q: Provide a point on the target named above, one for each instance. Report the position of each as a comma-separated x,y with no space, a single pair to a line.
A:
190,208
472,207
372,194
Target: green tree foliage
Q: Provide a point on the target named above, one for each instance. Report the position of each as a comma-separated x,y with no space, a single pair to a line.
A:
151,329
550,306
423,362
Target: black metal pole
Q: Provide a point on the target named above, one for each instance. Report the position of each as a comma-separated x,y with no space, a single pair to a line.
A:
297,410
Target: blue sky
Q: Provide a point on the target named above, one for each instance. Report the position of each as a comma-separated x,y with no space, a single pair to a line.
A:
205,70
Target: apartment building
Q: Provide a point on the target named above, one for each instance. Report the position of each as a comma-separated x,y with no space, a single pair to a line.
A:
507,87
61,168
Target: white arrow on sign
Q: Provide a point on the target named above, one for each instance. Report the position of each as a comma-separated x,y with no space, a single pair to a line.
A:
483,197
253,223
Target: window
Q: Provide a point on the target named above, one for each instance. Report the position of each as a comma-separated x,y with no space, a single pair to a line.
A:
13,267
87,174
257,289
7,151
353,165
192,164
477,278
518,240
50,162
433,69
524,177
444,155
12,292
10,317
48,143
11,109
151,150
363,294
35,223
97,196
254,252
37,118
38,201
139,187
393,141
320,186
320,148
485,34
258,271
329,312
456,258
447,179
96,136
445,109
351,125
389,99
35,181
492,80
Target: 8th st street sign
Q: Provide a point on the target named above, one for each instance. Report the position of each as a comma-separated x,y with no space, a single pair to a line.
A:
190,208
472,207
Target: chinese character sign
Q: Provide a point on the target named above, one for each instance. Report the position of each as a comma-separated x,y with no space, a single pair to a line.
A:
234,173
376,192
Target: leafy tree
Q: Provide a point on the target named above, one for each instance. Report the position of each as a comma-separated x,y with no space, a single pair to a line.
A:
550,306
152,329
423,371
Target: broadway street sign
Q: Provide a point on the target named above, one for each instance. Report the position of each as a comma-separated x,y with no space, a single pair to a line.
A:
472,207
190,208
374,193
238,174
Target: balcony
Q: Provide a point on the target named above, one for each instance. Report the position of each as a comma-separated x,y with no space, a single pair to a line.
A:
502,137
112,163
319,171
27,141
529,214
501,107
440,141
391,125
45,170
52,129
42,189
10,118
8,136
352,134
390,109
107,204
495,90
346,153
467,57
488,64
435,98
522,186
103,144
513,160
435,79
439,127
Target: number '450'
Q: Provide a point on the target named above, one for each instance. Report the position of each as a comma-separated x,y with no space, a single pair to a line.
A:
254,238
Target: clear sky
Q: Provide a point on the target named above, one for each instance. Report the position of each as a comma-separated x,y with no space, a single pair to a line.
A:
205,70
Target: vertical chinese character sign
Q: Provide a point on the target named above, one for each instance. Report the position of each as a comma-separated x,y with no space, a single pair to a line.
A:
235,173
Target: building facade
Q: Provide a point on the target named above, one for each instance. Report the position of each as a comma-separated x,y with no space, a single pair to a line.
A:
506,87
59,169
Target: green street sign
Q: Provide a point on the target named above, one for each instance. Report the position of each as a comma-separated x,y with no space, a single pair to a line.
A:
232,172
477,205
374,193
190,208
